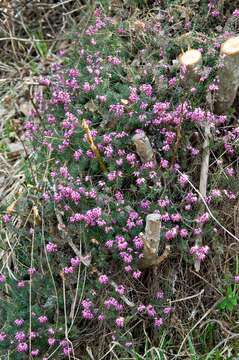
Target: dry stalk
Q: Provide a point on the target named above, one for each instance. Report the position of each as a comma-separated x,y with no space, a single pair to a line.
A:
93,146
203,181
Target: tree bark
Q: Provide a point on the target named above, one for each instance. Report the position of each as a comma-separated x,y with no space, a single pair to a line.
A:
228,75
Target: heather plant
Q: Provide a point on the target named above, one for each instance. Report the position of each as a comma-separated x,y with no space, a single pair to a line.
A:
77,287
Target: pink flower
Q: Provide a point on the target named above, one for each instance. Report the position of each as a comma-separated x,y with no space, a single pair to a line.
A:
141,308
159,295
119,322
22,347
183,180
150,310
230,171
147,89
101,317
50,247
51,331
140,181
86,87
77,154
2,278
51,341
164,163
20,336
75,261
32,335
6,218
172,233
109,243
2,336
67,351
68,270
236,13
176,217
19,322
120,289
31,271
117,109
21,284
203,218
236,279
183,233
87,314
158,322
43,319
103,279
44,82
137,274
114,60
86,303
199,252
35,352
167,310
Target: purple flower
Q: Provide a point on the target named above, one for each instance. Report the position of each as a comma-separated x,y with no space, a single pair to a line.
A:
2,336
43,319
6,218
51,341
75,261
2,278
117,109
101,317
167,310
119,322
86,87
31,271
236,279
35,352
236,13
103,279
183,180
158,322
20,336
19,322
141,308
159,295
21,284
202,219
68,270
137,274
86,304
22,347
50,247
172,233
114,60
147,89
150,310
67,350
199,252
87,314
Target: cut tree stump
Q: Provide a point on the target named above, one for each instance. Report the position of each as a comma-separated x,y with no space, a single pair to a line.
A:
228,75
191,60
151,240
143,147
